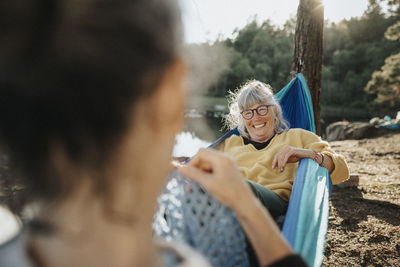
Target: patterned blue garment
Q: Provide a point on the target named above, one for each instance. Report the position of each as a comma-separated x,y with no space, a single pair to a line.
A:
189,214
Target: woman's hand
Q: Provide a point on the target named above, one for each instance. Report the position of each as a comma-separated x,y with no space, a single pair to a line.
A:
289,154
220,176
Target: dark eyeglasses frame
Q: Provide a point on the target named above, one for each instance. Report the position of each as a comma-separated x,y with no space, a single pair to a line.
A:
256,110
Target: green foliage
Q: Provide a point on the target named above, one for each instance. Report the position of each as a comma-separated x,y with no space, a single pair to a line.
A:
393,32
385,85
261,52
353,51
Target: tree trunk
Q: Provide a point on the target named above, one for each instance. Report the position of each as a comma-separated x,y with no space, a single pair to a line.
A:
308,49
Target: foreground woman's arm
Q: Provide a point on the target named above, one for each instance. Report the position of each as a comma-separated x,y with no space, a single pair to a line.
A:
221,178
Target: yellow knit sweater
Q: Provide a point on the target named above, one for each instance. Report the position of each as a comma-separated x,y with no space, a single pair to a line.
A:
256,165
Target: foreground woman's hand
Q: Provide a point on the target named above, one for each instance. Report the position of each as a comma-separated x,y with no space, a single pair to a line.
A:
220,176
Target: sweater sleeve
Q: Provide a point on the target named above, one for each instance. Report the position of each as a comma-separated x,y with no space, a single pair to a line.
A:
341,169
221,146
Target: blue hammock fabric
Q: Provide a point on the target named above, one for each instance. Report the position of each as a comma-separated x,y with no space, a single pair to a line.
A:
306,220
295,100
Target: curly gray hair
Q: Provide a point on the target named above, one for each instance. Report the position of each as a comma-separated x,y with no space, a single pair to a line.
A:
251,93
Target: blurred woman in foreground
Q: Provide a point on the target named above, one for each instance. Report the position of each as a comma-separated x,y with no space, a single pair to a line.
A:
87,121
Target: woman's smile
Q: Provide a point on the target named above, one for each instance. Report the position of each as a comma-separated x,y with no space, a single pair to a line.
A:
259,125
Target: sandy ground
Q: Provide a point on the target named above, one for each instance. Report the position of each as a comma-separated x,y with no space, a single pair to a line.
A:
364,221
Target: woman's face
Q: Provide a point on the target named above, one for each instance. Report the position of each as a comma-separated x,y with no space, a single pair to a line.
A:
261,128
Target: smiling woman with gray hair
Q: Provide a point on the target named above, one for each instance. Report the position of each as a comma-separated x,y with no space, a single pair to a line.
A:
266,146
266,154
253,92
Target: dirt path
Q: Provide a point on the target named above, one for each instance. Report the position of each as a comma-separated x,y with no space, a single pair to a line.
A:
364,221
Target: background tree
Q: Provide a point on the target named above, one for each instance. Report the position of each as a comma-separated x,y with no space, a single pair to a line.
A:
385,83
259,52
308,50
353,50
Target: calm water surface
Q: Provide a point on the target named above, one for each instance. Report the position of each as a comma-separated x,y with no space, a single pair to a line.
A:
198,132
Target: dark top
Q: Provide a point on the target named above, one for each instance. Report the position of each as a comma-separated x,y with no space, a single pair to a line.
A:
257,145
291,260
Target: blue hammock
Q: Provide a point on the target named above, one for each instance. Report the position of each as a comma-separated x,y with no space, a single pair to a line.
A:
306,220
191,214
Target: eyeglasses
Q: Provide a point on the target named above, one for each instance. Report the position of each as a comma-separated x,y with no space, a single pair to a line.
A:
248,114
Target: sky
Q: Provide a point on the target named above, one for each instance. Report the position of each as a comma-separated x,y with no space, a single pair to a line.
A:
206,20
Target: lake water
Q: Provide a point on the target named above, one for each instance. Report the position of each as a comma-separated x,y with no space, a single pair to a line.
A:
198,132
187,144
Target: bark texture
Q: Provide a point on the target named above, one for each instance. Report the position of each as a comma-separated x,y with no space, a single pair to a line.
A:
308,50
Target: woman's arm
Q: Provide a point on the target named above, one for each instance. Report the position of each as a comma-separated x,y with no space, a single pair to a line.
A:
221,177
289,154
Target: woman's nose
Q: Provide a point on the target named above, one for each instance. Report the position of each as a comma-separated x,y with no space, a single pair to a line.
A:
256,116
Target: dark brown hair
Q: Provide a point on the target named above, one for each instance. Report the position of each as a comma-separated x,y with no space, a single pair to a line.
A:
69,73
